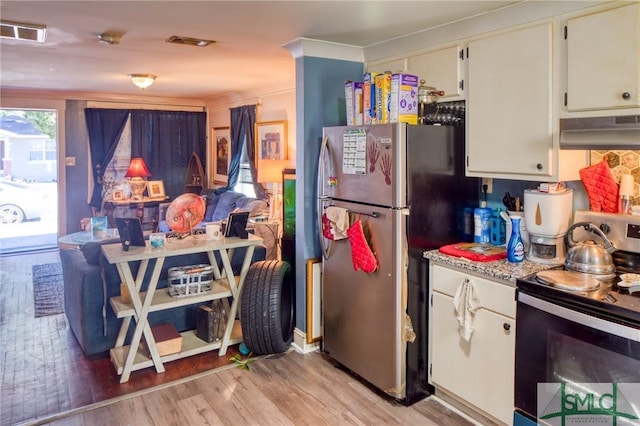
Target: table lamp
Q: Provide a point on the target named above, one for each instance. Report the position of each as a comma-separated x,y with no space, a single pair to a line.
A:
137,175
270,171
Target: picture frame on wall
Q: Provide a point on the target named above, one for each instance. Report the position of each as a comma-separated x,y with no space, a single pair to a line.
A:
155,189
271,140
221,137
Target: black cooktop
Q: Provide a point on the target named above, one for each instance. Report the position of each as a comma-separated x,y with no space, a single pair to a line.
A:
608,302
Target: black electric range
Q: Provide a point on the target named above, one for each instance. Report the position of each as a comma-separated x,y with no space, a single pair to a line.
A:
608,301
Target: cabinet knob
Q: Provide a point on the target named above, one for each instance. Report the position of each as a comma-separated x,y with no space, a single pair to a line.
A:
506,326
626,96
539,166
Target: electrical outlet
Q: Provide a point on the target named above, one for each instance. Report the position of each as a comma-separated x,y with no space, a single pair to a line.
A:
489,183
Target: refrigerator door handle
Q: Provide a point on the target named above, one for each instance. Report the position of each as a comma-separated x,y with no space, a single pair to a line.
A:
322,198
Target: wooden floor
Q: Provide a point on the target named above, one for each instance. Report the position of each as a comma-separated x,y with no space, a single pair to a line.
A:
47,380
42,367
288,389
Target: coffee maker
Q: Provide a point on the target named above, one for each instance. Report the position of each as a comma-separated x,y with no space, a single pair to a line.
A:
547,216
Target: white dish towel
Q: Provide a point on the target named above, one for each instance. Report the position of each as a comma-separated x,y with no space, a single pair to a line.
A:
466,303
339,219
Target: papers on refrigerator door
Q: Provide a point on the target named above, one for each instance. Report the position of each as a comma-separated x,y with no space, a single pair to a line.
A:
354,152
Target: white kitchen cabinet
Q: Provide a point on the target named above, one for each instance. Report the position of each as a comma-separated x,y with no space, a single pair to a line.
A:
478,373
442,69
512,126
603,60
393,65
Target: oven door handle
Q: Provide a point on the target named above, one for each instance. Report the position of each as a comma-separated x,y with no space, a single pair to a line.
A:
582,319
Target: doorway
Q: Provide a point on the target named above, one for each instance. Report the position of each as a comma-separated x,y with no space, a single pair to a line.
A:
28,180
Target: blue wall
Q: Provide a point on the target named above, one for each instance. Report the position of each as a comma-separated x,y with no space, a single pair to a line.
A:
319,103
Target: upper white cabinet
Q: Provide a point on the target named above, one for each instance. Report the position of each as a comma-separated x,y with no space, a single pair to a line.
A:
603,60
512,126
509,110
393,65
441,69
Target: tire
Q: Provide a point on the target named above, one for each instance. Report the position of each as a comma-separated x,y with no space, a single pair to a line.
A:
11,214
267,307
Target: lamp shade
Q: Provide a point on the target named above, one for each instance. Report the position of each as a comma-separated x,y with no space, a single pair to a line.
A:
137,168
270,171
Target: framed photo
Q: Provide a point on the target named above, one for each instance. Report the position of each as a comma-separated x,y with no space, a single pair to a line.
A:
314,295
118,194
155,188
221,150
271,140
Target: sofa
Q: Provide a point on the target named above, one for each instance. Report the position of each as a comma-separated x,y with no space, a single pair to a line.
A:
90,281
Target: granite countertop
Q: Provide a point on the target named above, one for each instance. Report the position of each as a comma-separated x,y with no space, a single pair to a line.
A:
499,269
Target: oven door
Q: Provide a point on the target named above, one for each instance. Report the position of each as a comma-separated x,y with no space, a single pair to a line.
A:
560,345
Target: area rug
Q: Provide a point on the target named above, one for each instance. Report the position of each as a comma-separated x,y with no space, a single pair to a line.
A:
48,285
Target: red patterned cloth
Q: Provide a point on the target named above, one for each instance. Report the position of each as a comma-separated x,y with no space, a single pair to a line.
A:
361,254
601,187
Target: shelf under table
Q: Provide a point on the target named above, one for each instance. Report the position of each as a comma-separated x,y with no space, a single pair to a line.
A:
191,345
162,300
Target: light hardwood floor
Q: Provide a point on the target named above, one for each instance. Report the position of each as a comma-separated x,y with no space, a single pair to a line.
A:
287,389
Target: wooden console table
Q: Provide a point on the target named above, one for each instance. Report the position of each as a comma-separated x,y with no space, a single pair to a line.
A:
132,357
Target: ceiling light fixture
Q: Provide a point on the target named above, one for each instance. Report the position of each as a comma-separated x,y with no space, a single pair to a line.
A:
189,41
142,80
109,38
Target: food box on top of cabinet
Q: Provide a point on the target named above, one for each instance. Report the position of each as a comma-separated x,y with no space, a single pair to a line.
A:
353,91
369,97
403,102
383,95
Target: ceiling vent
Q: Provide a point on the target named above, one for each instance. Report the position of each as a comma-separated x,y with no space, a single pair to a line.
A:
189,41
20,31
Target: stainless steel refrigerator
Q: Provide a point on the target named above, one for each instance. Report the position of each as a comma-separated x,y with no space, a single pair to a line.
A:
407,187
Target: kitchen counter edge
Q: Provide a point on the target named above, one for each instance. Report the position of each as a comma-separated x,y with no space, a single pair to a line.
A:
497,269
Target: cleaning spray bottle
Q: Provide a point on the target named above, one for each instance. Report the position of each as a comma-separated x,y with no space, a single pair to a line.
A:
482,221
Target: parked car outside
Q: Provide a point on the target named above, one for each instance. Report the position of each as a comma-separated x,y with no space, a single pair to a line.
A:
21,202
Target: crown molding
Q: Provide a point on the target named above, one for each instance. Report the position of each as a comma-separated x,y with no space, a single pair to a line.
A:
303,46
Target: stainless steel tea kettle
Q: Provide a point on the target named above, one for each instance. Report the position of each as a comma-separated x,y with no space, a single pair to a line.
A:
588,256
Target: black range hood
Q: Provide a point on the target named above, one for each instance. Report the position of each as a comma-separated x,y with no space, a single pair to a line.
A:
616,132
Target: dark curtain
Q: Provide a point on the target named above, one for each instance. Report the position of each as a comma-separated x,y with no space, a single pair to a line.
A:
105,128
243,121
166,140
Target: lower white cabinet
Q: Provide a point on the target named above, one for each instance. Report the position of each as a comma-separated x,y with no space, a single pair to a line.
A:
478,372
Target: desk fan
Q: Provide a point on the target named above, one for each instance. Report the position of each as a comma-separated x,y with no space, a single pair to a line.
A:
185,212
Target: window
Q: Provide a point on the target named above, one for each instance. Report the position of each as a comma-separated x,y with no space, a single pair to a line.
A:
43,150
245,182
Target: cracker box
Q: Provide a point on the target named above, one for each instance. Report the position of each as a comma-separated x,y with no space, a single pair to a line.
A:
369,98
357,103
403,102
353,102
383,93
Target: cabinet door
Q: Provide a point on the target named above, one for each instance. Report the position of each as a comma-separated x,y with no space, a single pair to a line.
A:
393,65
603,60
509,112
440,69
481,371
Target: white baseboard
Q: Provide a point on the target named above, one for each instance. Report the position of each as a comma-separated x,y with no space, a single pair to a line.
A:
300,342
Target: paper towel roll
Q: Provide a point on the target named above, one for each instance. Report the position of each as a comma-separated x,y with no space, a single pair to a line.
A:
626,186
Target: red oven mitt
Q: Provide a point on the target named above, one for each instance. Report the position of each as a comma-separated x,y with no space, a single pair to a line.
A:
361,254
601,187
